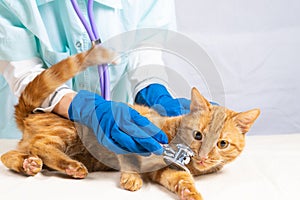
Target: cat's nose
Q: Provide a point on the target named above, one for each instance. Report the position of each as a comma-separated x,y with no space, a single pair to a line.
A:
202,155
204,158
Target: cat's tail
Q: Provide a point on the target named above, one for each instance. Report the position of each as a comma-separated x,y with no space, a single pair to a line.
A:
50,79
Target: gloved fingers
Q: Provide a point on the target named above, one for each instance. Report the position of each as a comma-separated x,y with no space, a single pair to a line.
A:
137,140
148,127
161,137
151,145
129,121
132,129
173,107
136,125
184,103
116,140
151,130
160,109
149,138
180,106
127,143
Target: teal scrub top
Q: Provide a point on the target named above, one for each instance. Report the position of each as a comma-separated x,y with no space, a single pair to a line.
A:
51,30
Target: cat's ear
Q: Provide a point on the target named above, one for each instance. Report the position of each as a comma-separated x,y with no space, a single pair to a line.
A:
244,120
198,102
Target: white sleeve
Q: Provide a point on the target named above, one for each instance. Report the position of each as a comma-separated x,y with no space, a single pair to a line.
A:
147,63
19,73
148,69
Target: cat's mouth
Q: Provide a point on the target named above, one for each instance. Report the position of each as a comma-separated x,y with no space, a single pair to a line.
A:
207,166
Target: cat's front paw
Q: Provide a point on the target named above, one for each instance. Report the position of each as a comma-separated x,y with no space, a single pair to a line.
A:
131,181
76,170
32,165
187,191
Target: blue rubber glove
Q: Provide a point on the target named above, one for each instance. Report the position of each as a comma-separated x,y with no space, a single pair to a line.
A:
118,127
157,97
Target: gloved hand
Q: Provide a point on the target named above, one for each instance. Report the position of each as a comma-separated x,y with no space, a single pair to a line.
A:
157,97
118,127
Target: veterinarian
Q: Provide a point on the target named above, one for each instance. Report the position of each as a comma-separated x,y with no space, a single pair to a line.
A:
37,34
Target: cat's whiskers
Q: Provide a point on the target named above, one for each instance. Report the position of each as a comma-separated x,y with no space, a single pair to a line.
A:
215,162
210,162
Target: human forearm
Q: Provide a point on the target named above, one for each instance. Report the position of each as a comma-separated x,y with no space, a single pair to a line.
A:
63,105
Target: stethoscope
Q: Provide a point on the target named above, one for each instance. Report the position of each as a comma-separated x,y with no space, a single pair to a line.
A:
181,156
95,39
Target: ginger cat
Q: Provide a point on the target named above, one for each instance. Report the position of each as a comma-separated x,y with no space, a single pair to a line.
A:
215,134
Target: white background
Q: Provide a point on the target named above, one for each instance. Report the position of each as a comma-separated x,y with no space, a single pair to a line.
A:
255,45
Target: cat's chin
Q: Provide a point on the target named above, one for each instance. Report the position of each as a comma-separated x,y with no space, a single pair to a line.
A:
200,168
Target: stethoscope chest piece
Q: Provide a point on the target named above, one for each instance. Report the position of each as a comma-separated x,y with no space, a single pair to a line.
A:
178,157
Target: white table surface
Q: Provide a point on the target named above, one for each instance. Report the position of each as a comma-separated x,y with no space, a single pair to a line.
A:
269,168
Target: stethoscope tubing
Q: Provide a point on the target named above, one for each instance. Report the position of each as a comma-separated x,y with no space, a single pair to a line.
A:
94,36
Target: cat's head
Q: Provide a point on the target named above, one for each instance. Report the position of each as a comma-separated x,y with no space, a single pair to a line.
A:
215,134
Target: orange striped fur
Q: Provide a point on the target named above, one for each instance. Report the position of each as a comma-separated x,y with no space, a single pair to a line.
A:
52,141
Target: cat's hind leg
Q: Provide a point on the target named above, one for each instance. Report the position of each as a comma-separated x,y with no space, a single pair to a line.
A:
22,162
51,151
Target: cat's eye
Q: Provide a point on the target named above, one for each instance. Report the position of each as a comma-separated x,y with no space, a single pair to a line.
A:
198,135
222,144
